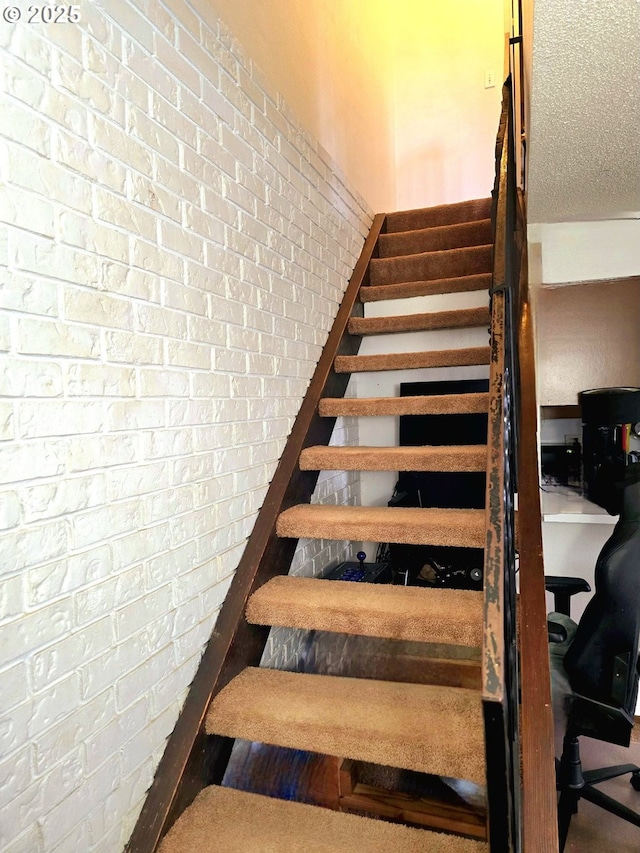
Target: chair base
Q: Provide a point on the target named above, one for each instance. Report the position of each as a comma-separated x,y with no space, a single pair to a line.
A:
575,785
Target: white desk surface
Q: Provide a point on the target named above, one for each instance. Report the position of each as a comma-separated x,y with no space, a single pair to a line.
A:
565,505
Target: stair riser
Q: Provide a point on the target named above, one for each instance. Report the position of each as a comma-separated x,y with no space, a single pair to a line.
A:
446,214
459,459
408,361
408,289
383,406
435,239
431,265
464,318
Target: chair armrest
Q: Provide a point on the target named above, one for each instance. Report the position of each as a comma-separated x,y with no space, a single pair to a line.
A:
557,633
563,588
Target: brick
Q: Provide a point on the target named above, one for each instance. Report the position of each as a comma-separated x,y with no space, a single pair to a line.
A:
7,428
118,211
131,348
27,294
57,417
11,598
34,254
153,196
41,175
89,88
49,747
176,239
168,504
96,525
163,383
32,546
135,481
33,630
88,452
137,615
99,380
174,62
113,737
130,686
24,126
152,259
163,567
28,211
92,236
64,817
111,138
135,415
176,180
53,580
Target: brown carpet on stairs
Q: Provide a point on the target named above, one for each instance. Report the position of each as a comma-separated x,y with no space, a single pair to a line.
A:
448,616
442,214
435,239
409,360
466,457
408,289
460,319
463,528
223,820
422,727
441,404
448,263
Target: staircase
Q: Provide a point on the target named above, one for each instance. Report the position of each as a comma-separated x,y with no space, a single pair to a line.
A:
432,728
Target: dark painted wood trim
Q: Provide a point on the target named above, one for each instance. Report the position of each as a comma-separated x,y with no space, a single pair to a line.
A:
539,813
192,760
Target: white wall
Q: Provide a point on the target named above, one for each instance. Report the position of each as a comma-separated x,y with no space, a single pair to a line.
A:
445,120
173,250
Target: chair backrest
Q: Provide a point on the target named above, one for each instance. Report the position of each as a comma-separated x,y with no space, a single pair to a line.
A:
602,661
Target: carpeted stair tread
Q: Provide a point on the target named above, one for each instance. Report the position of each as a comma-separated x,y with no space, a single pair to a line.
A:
458,319
448,263
437,404
409,360
225,820
466,457
435,239
421,727
442,214
463,528
408,289
448,616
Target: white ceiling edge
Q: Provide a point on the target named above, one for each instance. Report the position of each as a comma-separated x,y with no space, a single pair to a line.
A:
573,252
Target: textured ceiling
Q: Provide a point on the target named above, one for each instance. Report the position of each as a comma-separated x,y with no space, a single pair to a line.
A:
584,131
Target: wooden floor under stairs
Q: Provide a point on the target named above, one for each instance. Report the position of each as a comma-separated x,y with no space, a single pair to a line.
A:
433,728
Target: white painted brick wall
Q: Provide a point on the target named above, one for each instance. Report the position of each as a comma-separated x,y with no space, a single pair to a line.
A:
173,247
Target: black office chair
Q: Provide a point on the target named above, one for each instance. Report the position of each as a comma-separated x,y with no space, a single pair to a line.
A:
594,664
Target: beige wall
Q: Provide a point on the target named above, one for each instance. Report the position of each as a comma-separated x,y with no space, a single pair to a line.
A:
587,338
394,91
330,60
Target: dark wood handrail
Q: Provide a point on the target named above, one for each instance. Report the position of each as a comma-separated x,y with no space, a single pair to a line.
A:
499,658
191,759
539,811
525,725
